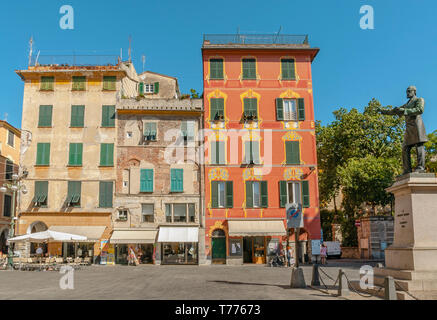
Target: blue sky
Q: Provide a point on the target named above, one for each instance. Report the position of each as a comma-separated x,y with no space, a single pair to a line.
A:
353,66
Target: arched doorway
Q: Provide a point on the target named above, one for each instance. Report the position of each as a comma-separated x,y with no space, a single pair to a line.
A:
3,238
218,246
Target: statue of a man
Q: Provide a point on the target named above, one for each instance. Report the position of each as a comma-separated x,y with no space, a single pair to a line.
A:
415,135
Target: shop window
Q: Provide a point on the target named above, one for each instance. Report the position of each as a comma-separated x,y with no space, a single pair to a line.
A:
235,247
147,212
180,212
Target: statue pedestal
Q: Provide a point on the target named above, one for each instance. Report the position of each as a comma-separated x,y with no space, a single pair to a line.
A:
412,258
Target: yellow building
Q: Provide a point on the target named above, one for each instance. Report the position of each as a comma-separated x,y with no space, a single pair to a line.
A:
9,159
68,149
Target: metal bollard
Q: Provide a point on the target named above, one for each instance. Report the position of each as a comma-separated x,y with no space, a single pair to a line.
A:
390,289
315,281
343,288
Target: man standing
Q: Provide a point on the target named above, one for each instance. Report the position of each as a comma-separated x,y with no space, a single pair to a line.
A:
415,135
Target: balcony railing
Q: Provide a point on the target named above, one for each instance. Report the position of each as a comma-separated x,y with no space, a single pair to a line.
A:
74,60
255,39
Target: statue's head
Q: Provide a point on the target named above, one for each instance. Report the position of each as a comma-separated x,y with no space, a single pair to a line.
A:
411,92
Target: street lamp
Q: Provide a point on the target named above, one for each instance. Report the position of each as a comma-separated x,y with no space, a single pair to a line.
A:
14,186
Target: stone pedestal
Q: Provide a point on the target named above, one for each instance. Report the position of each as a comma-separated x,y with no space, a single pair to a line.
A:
412,258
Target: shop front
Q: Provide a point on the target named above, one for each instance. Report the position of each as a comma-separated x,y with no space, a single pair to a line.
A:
179,245
134,245
254,241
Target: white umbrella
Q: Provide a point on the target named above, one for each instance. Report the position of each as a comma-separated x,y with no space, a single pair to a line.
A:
47,236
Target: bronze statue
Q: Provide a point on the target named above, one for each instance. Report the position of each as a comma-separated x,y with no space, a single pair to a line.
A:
415,135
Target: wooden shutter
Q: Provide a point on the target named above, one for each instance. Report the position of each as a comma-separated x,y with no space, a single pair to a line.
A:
77,116
47,83
105,194
78,83
249,69
264,195
109,82
45,116
156,87
213,109
107,154
249,194
43,154
75,156
214,194
173,182
292,152
146,180
305,194
279,109
288,69
229,190
180,179
177,180
141,87
283,194
216,68
301,109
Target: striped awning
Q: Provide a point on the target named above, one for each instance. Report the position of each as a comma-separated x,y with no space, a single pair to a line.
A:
250,228
133,236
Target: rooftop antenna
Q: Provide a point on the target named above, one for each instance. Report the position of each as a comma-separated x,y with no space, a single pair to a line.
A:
30,50
121,54
5,116
130,50
143,58
37,56
277,35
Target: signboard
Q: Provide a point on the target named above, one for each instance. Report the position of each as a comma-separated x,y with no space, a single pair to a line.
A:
357,223
315,247
294,215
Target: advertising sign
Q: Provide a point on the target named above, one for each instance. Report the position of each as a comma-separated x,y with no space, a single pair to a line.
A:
315,247
294,215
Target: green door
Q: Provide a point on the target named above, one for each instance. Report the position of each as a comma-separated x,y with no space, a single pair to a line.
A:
218,250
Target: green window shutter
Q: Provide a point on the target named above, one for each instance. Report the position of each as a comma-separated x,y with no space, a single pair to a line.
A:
74,192
45,116
78,83
108,116
43,154
41,191
249,69
214,152
249,194
47,83
109,82
214,194
107,154
213,109
250,106
292,152
177,180
216,69
288,69
301,109
77,116
282,193
305,194
146,180
105,194
141,87
229,189
264,195
75,156
156,87
279,109
217,108
221,152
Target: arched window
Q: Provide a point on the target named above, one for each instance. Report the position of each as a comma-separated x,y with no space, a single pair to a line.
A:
218,233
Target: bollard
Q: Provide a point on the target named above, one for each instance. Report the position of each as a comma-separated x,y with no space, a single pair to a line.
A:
297,278
343,288
390,289
315,281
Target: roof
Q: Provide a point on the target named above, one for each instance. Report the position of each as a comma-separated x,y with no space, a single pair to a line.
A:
159,105
7,125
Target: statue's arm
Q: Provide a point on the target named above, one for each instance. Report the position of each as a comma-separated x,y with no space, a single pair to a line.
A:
392,111
417,108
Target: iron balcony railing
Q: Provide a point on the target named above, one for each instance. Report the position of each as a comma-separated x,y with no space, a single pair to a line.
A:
74,60
255,39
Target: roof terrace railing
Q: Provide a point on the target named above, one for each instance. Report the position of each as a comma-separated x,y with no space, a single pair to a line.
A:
255,39
75,60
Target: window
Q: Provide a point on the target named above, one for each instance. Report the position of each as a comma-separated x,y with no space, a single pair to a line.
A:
108,116
249,69
146,180
218,152
75,156
251,152
147,212
288,69
148,87
79,83
45,116
7,205
292,152
122,215
47,83
150,131
256,194
187,130
177,180
9,169
43,154
294,192
77,115
74,193
107,154
217,109
180,212
11,138
105,194
41,193
290,109
109,83
250,108
216,69
222,194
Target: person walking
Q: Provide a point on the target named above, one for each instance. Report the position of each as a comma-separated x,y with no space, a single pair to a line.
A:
323,253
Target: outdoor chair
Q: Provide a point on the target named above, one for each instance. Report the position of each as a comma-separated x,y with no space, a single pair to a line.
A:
86,261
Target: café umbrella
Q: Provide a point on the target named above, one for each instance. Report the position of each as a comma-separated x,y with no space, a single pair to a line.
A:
48,235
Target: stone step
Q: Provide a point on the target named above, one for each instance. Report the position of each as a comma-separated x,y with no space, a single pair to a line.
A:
408,285
405,274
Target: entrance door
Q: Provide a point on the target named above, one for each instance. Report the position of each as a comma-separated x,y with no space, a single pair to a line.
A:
218,246
247,250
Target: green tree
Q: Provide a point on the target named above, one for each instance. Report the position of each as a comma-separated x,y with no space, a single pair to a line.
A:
431,152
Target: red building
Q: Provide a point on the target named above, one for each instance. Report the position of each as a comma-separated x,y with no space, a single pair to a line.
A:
260,144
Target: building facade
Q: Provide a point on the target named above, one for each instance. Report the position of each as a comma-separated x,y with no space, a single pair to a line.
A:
260,145
9,160
68,152
158,217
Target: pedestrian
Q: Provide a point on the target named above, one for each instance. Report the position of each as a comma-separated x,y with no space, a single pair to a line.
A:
39,251
323,253
79,252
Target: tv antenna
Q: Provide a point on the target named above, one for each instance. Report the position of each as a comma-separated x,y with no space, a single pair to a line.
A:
30,50
130,49
277,34
143,58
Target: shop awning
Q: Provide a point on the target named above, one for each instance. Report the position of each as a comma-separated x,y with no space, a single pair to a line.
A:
133,236
249,228
92,233
178,234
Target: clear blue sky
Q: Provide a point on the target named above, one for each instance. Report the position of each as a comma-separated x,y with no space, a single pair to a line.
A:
352,67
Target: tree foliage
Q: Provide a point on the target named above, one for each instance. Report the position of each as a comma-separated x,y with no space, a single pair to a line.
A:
431,152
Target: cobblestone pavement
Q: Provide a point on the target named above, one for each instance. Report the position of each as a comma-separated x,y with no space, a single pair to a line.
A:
250,282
